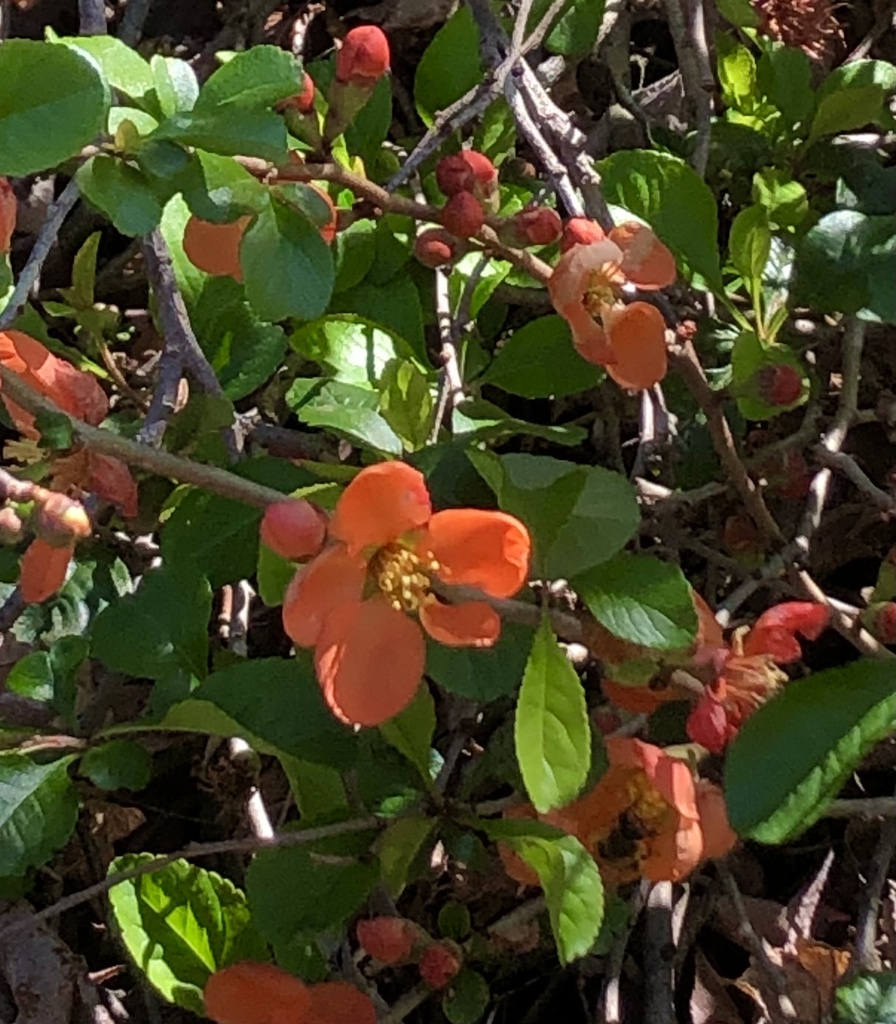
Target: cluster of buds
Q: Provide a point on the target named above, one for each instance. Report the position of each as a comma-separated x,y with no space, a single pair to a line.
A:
396,940
57,523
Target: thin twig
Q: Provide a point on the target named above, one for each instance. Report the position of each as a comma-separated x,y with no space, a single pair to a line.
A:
862,807
131,30
659,981
686,24
846,465
92,17
45,241
452,391
193,852
865,957
11,609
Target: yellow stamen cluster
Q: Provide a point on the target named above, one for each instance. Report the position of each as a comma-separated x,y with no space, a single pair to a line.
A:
623,848
403,576
599,292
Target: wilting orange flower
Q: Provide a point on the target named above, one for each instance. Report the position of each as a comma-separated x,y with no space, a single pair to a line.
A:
746,671
351,602
255,993
585,288
80,395
647,817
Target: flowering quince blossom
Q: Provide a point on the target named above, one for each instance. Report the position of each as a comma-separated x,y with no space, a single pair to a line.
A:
256,993
352,602
585,288
746,671
647,817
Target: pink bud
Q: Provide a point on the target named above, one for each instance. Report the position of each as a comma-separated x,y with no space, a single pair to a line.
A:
390,940
463,215
293,528
439,963
303,101
435,248
364,56
467,171
779,384
538,225
581,231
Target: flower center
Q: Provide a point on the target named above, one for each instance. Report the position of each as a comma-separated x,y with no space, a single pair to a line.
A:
403,576
600,291
625,846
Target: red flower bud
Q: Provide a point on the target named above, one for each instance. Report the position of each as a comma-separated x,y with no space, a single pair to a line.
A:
581,231
364,56
463,215
388,939
8,207
439,963
60,521
435,248
539,225
294,529
779,384
11,527
880,620
467,171
303,101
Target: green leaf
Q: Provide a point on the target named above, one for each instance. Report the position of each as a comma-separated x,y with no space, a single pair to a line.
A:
232,132
481,674
575,32
180,925
354,250
255,78
454,921
53,102
642,600
739,13
783,198
316,788
119,764
673,199
370,126
411,732
244,350
539,361
292,892
353,349
450,66
273,574
852,96
552,733
349,411
397,849
287,266
844,265
792,756
160,629
32,677
217,189
477,420
569,877
467,999
406,402
177,87
38,811
394,305
749,244
784,77
124,194
124,69
867,999
737,74
748,357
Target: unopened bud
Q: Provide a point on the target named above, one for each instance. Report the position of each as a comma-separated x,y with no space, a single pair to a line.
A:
8,208
536,225
581,231
363,57
303,101
462,215
60,521
440,962
11,526
779,384
880,621
215,248
294,529
299,114
390,940
468,171
435,248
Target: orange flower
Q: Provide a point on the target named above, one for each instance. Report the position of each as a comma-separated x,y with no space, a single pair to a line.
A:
646,817
254,993
629,340
746,671
350,602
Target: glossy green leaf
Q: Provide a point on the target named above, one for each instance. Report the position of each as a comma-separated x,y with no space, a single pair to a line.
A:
349,411
287,267
177,87
273,575
124,69
574,33
784,76
784,199
793,755
118,764
749,244
478,420
539,361
292,892
181,924
642,600
354,251
868,999
737,74
38,811
393,304
232,132
353,349
53,102
468,998
482,674
257,77
411,731
406,402
672,198
853,96
748,357
449,67
397,849
552,732
216,188
159,629
123,193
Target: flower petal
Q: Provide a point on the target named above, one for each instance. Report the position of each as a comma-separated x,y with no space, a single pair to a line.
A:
336,1002
718,836
470,624
709,725
43,570
369,660
477,548
379,505
637,336
671,777
588,337
709,632
569,280
646,262
776,630
333,578
674,852
255,993
111,479
642,700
